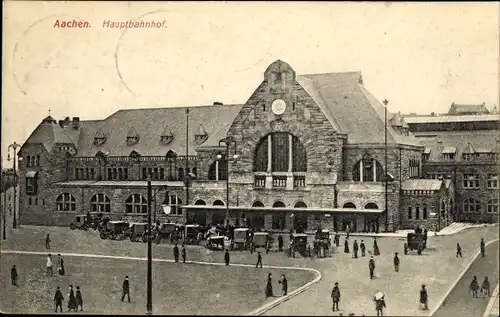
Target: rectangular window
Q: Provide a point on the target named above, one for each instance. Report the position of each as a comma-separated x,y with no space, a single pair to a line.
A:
425,213
125,172
409,213
492,181
417,213
492,205
110,175
31,184
36,201
470,181
448,156
280,154
29,201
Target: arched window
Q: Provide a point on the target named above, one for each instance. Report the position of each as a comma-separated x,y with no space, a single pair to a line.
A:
180,173
492,205
175,204
200,202
218,202
218,170
368,170
299,204
258,204
100,203
273,152
300,218
278,204
371,206
136,204
66,202
162,173
471,205
349,205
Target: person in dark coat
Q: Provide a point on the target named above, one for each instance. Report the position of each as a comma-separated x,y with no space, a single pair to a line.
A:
226,257
423,298
482,248
269,286
474,286
371,267
79,298
284,285
363,248
60,266
337,239
346,246
126,289
176,253
425,238
379,306
485,287
259,260
336,296
376,250
355,249
459,250
183,252
280,243
13,275
72,300
396,262
58,299
47,242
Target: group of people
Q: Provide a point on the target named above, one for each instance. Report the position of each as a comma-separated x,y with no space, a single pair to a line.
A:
183,253
75,301
269,286
60,265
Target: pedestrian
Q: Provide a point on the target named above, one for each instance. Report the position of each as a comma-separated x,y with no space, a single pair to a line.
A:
346,245
226,257
58,299
380,305
485,287
482,248
13,275
280,242
337,239
355,249
183,254
376,251
60,265
335,296
371,266
459,250
176,253
72,300
126,289
396,262
362,247
47,242
269,286
259,260
79,298
347,231
423,298
425,238
252,248
284,285
474,286
50,272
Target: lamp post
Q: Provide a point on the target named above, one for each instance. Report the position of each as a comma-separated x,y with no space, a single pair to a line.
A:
385,167
14,146
187,156
227,141
4,210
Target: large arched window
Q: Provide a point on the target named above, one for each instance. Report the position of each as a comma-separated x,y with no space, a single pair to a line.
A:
175,204
218,202
218,170
275,150
349,205
66,202
471,205
279,204
100,203
136,204
371,206
368,170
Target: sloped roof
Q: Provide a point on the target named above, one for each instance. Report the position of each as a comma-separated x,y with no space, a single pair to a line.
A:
48,133
469,149
421,184
149,124
449,150
450,119
396,120
459,109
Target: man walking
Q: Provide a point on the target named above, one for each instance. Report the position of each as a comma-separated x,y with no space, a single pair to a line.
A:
362,247
485,287
336,296
423,298
47,242
259,260
371,266
284,285
58,299
396,262
355,249
50,272
226,257
280,243
13,275
126,289
482,247
337,239
474,286
459,250
176,253
183,254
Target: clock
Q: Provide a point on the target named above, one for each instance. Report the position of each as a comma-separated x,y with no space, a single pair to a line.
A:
278,107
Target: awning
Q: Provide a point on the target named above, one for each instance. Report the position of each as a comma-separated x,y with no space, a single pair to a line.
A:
288,209
31,174
449,150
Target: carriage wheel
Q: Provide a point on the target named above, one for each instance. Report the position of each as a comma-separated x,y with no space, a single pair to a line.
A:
72,226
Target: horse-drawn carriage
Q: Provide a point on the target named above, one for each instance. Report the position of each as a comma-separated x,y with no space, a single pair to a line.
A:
215,242
298,243
191,234
241,240
414,241
170,231
115,230
262,239
322,242
138,232
81,222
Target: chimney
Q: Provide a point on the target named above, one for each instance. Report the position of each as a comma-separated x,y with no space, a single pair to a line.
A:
61,123
76,123
218,103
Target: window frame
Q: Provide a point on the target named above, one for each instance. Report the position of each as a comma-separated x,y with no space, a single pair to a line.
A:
470,181
65,202
471,202
492,181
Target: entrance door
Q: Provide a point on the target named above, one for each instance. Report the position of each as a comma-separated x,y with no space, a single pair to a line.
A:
300,222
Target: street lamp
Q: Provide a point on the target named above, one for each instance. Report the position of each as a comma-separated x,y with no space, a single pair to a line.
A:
14,146
4,209
227,141
385,167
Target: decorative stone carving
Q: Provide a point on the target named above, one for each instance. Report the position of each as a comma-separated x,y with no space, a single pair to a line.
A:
278,125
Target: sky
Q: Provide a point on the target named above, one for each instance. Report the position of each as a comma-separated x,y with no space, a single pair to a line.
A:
419,56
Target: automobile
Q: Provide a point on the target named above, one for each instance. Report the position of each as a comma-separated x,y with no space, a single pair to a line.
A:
81,222
241,238
191,234
137,231
414,241
261,238
299,242
115,230
215,242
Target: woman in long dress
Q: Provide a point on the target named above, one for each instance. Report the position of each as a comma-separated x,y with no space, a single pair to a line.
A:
346,246
269,286
72,300
60,267
79,298
376,251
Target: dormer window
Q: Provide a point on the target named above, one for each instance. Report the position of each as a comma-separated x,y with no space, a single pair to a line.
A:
132,137
427,154
201,136
166,137
276,78
448,153
99,138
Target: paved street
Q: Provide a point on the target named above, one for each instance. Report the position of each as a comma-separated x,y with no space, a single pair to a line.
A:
460,302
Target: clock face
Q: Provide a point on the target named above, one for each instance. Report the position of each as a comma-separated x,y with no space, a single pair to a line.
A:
278,107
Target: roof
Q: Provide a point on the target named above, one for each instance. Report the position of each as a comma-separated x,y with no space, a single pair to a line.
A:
49,133
351,108
458,109
427,150
449,150
450,119
421,184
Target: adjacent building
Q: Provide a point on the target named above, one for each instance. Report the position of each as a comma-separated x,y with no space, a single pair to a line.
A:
304,151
